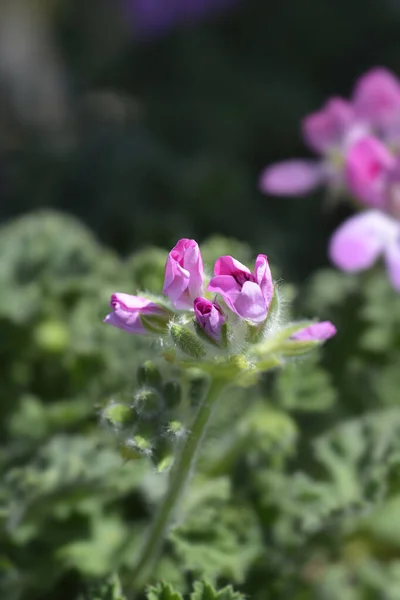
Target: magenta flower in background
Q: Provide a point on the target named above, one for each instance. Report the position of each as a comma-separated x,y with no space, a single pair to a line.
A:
376,99
368,167
184,273
358,243
318,332
127,311
156,17
246,294
326,129
329,131
210,317
332,131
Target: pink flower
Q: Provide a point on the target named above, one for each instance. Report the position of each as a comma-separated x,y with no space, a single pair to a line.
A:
292,177
127,311
329,132
184,274
367,167
246,294
376,98
319,332
209,316
327,128
358,243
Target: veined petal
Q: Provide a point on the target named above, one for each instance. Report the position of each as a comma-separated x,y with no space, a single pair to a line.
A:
250,303
227,265
227,286
263,277
292,177
129,302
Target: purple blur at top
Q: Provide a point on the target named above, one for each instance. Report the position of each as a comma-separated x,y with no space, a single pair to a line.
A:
156,17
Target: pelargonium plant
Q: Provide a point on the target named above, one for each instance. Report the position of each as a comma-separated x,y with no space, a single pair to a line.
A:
231,328
359,146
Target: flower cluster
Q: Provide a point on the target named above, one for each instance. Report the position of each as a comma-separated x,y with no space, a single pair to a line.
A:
237,308
359,146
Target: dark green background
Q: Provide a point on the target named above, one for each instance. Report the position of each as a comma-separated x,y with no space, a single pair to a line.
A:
192,117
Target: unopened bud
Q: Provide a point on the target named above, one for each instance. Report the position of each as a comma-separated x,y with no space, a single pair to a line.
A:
135,448
148,402
156,323
296,347
172,393
176,430
119,415
149,375
165,464
187,341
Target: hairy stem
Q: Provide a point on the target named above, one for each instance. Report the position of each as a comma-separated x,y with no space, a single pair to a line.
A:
179,477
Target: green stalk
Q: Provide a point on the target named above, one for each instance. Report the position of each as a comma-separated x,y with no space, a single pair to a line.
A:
179,478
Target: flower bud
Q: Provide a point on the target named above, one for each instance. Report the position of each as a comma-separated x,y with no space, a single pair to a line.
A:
149,375
209,319
154,323
303,339
176,430
135,448
184,274
186,341
165,464
119,415
172,393
317,332
148,402
136,314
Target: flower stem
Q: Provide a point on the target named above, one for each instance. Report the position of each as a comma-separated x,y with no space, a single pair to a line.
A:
179,478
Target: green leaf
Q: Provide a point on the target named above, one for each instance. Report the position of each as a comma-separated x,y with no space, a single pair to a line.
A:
205,591
163,591
107,589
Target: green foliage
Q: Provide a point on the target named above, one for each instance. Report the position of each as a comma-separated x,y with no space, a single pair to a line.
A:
297,489
108,589
202,590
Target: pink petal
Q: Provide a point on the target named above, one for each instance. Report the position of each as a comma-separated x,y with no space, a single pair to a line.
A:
376,96
292,177
367,166
227,265
357,243
184,271
250,303
227,286
326,128
319,332
176,280
129,302
128,321
264,278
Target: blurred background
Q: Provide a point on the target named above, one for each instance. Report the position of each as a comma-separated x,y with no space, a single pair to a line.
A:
151,120
125,125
